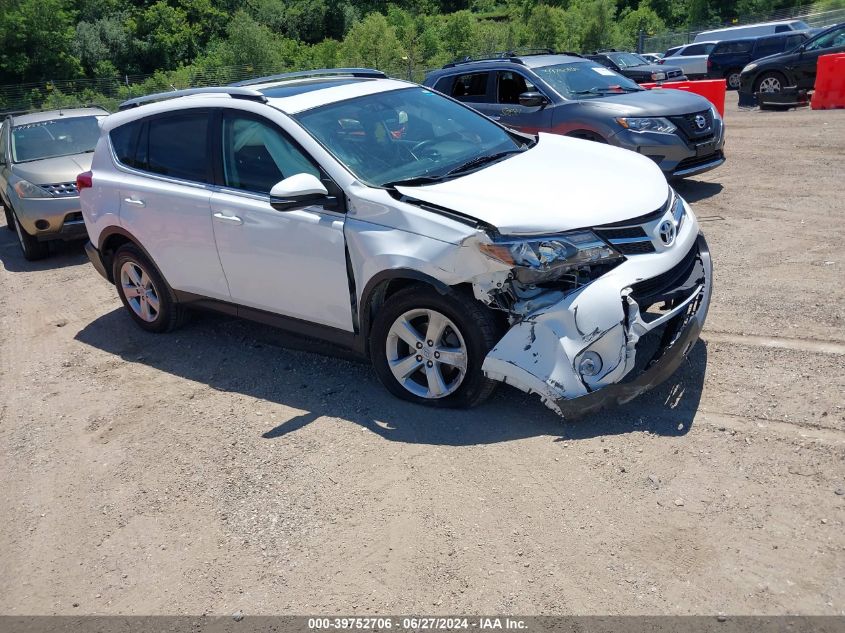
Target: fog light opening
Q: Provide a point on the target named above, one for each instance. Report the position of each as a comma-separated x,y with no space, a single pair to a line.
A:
42,225
590,364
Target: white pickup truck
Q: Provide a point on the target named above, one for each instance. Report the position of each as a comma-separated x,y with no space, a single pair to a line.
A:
691,58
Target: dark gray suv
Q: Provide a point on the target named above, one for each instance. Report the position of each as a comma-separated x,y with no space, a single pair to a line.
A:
571,95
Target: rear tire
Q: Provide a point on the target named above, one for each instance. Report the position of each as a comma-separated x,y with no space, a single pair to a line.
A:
732,78
32,249
144,292
414,333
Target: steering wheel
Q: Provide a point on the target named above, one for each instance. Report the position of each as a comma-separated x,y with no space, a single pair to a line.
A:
425,147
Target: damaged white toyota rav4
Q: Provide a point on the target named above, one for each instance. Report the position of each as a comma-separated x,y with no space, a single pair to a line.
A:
383,216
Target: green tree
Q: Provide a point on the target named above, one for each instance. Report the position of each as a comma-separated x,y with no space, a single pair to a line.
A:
372,42
645,19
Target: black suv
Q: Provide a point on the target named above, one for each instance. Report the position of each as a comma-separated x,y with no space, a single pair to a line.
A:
793,68
728,58
570,95
637,68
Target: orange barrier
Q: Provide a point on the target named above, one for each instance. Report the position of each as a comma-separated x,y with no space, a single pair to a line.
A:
711,89
830,82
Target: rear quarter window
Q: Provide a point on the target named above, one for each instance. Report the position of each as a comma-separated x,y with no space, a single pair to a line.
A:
124,140
737,46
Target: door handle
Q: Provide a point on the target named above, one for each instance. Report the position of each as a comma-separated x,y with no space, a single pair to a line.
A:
137,203
232,219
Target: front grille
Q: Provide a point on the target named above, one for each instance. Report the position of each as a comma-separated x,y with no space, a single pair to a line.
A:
61,189
628,240
73,217
674,73
689,129
679,279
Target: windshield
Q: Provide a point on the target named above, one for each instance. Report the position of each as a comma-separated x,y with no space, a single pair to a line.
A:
576,80
831,39
626,60
406,135
59,137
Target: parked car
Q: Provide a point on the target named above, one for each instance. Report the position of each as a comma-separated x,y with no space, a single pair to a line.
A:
751,30
691,58
40,155
574,96
728,58
380,215
796,67
635,67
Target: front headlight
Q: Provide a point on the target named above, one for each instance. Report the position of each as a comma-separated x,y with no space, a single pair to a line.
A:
715,113
26,189
679,211
749,68
658,76
646,124
541,259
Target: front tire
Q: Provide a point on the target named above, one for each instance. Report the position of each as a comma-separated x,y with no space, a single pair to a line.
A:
32,249
144,292
10,221
428,348
770,82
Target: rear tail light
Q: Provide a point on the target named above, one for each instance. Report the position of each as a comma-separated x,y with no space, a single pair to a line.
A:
709,64
85,180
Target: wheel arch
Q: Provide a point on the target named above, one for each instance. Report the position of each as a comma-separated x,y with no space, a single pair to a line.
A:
387,283
113,238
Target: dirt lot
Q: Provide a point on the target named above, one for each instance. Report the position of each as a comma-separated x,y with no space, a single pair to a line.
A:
228,467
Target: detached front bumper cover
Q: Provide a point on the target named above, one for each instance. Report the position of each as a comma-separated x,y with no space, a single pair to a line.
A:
564,391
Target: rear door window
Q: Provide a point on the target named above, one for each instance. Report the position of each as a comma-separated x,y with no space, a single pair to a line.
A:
471,87
770,46
737,46
177,146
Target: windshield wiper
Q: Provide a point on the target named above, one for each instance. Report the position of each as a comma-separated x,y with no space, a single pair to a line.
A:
481,160
604,91
411,182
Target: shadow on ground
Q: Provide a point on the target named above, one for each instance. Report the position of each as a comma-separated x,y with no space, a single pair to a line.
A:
232,355
62,254
696,190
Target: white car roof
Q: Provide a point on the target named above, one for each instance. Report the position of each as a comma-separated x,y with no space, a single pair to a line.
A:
300,95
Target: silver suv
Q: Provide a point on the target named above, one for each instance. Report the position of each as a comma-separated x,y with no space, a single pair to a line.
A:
383,216
40,156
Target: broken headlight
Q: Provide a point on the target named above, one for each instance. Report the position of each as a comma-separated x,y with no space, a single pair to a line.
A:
536,260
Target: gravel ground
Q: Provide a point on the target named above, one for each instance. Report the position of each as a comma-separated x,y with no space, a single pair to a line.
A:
229,467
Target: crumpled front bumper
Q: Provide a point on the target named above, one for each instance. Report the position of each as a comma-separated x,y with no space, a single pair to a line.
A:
543,353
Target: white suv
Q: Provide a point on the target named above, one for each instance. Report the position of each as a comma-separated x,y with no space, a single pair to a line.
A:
385,217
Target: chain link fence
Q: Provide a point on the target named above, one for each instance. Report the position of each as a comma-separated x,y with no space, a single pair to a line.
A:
815,19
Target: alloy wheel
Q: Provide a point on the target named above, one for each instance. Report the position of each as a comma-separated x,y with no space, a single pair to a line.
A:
140,292
733,81
426,353
770,84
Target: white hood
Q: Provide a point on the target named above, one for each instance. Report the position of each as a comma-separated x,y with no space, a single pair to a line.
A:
559,184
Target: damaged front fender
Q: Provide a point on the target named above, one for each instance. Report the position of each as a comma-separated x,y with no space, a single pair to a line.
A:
576,353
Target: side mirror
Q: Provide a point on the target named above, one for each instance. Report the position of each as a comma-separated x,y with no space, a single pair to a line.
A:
297,191
532,99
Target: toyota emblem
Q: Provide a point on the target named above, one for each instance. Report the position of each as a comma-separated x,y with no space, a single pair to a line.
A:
667,232
700,121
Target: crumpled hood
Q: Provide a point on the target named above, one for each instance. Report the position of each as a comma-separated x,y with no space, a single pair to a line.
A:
54,170
559,184
656,102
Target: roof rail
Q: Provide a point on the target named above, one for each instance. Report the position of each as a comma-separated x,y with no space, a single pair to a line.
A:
514,56
323,72
235,93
